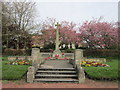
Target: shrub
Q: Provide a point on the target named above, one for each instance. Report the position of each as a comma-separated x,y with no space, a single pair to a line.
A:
46,50
68,51
28,51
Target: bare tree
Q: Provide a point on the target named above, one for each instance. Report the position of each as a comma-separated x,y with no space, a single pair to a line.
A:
21,16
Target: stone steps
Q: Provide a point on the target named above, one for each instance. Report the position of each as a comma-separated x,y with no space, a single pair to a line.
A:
67,72
57,69
56,75
55,80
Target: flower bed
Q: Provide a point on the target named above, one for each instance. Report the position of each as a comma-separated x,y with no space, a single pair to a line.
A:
19,62
93,64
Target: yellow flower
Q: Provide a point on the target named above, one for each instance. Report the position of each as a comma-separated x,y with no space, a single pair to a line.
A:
87,65
89,61
21,63
83,62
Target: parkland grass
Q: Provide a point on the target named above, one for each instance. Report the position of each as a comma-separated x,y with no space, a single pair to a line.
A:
104,73
13,72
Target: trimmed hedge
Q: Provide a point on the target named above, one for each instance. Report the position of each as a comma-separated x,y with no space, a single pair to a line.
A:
101,53
10,51
46,50
14,52
68,51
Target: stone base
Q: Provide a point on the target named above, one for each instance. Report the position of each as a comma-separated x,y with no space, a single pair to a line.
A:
57,52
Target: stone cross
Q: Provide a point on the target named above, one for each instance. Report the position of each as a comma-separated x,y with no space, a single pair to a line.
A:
57,37
57,42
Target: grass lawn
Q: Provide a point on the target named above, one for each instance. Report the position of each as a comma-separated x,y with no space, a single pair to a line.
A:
13,72
16,72
110,73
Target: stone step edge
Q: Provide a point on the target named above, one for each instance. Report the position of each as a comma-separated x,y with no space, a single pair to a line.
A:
43,75
56,80
39,71
57,68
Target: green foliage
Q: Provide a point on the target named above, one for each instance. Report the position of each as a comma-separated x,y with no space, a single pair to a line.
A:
49,46
104,72
68,50
4,58
28,51
13,72
114,47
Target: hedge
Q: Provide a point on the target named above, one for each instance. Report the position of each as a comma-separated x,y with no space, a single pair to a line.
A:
87,52
101,53
14,52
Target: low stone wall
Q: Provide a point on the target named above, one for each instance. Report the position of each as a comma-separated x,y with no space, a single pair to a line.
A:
36,62
69,55
45,55
72,61
94,59
80,73
12,58
77,59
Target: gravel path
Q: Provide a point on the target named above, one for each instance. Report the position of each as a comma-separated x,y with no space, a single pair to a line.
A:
88,84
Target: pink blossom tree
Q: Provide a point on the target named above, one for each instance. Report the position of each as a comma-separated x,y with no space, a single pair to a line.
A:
67,32
98,34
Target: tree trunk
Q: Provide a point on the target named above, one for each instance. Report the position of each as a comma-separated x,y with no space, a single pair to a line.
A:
25,45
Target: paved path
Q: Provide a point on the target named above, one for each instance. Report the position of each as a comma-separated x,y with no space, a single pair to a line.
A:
88,84
57,64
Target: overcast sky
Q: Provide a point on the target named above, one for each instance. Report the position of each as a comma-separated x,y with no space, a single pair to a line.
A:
77,11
